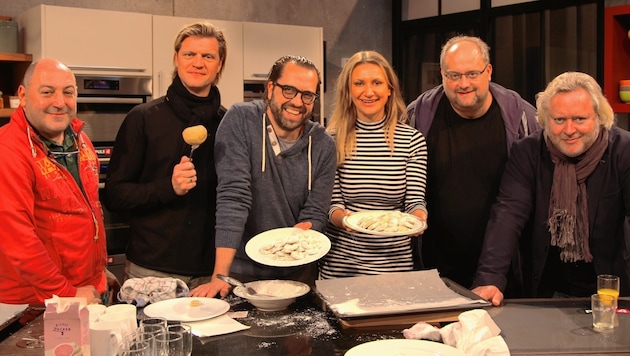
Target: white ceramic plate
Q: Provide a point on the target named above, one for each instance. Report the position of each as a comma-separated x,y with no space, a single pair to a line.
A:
353,221
266,238
180,309
403,347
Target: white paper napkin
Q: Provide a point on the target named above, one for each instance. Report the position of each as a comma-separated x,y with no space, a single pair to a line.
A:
475,334
216,326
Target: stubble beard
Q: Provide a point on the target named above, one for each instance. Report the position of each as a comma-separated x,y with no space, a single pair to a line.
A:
284,123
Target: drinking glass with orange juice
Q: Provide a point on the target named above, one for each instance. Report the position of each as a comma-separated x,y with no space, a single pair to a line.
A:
608,284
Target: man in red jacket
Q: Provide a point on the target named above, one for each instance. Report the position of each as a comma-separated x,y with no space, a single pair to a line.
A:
52,240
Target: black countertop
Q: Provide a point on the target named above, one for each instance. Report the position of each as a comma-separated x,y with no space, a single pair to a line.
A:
302,329
529,327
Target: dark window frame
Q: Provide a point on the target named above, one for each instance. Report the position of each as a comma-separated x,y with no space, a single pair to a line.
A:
482,22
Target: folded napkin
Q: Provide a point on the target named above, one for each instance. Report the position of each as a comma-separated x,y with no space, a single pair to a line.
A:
216,326
475,334
141,291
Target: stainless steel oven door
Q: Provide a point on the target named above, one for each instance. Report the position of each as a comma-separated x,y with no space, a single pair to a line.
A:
104,115
104,101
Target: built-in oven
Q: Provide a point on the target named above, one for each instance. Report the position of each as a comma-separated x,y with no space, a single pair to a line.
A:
103,103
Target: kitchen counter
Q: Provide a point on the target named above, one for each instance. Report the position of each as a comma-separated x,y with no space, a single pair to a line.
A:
529,327
553,326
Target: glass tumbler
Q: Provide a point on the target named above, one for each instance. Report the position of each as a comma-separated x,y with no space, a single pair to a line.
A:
153,325
608,284
170,344
137,348
186,333
142,336
603,310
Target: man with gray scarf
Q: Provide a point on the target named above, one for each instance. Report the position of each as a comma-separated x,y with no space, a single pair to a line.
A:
564,199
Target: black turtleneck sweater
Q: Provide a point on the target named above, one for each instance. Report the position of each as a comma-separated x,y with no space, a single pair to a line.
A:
170,233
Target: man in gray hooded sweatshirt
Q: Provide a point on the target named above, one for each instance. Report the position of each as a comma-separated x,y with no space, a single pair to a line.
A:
275,169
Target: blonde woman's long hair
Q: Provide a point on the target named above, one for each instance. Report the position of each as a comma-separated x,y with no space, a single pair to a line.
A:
342,124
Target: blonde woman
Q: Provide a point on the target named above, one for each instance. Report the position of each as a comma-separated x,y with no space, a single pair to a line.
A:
381,165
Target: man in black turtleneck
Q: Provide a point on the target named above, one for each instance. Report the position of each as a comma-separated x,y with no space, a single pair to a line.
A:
168,196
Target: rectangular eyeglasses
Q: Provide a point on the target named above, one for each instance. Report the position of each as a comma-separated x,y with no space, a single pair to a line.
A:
290,92
473,74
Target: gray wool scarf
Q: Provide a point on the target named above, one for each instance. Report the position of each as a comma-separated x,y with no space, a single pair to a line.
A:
568,204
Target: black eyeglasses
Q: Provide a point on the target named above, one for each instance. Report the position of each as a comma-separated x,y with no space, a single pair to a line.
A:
289,92
473,74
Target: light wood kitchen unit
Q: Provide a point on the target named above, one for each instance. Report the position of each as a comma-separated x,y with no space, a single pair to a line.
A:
90,41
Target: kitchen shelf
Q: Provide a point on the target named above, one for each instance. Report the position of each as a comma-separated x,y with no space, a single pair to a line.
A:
12,68
15,57
6,112
616,54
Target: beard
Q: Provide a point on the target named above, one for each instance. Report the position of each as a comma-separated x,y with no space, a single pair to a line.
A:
285,123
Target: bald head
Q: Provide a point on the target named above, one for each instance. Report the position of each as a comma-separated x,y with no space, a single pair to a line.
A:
49,96
472,45
466,74
45,64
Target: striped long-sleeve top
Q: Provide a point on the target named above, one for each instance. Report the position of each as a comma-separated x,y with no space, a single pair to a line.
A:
375,178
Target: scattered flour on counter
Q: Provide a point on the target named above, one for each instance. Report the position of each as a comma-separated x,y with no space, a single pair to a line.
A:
265,344
309,322
233,300
373,337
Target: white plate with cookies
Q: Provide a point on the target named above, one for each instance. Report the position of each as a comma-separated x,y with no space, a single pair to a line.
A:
385,223
287,247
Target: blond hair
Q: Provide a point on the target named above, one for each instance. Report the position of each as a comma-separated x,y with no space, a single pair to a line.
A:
343,120
568,82
203,29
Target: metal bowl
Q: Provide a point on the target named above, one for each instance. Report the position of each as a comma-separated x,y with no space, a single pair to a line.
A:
272,295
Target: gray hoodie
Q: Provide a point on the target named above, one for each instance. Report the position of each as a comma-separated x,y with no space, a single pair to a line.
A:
259,191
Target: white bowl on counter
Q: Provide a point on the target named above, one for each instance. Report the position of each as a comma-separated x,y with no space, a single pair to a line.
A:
272,295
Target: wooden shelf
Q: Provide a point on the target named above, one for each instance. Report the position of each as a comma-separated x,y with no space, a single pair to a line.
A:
12,69
616,54
620,107
6,112
15,57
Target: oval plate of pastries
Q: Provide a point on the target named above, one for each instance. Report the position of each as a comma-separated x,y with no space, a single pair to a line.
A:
385,223
287,247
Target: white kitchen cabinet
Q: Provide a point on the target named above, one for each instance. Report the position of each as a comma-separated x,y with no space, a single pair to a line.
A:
89,41
264,43
165,29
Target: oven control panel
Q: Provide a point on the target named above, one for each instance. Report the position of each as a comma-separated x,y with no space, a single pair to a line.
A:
104,153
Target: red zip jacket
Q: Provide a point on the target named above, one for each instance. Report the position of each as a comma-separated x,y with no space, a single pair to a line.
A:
52,238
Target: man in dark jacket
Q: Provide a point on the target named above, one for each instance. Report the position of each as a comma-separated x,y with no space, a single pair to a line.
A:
151,176
564,198
470,124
